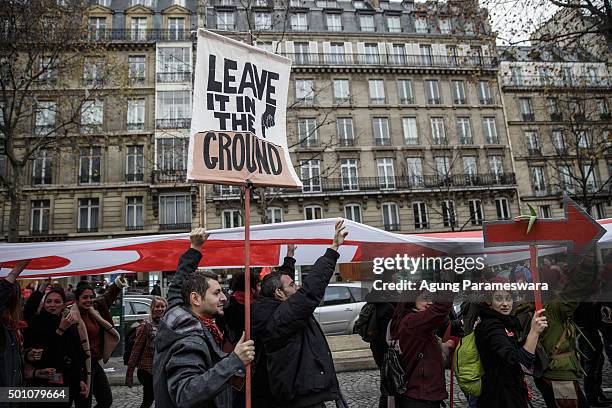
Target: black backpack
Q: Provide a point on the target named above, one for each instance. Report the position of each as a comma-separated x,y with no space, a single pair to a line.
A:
366,324
129,345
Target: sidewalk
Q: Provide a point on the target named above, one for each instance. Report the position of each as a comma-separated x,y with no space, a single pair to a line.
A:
349,352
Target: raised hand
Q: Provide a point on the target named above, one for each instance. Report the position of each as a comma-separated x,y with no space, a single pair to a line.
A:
245,350
340,235
197,237
291,250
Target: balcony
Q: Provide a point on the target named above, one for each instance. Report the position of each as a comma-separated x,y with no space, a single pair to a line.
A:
176,123
534,152
87,230
309,143
169,176
406,101
182,226
347,142
486,101
392,227
41,181
149,35
167,77
39,232
377,184
136,127
528,117
459,101
134,177
560,82
225,190
134,227
389,60
434,101
382,141
605,115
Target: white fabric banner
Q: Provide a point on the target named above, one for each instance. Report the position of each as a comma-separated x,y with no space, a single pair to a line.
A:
238,126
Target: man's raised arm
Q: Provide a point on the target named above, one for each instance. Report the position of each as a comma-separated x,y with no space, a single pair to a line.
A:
188,263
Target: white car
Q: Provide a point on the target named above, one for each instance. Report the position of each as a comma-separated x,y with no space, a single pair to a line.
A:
340,307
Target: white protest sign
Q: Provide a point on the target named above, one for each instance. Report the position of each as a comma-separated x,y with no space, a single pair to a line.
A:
238,126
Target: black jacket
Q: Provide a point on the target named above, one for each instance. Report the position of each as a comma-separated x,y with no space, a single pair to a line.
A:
10,353
503,382
64,353
189,368
294,362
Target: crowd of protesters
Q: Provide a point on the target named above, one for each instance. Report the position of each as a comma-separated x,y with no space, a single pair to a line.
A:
191,349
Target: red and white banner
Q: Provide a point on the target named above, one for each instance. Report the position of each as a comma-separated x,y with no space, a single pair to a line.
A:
224,249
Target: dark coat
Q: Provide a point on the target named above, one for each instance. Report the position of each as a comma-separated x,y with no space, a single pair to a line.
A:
189,368
294,362
10,352
503,382
421,355
64,353
378,342
156,291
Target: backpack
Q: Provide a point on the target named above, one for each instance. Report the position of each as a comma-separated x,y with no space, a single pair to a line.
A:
365,326
392,375
129,345
468,367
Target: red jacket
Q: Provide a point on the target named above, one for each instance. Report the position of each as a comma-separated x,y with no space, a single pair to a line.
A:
421,355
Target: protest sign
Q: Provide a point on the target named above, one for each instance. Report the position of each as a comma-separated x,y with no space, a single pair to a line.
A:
238,127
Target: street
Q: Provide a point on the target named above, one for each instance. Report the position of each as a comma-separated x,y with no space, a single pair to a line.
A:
360,389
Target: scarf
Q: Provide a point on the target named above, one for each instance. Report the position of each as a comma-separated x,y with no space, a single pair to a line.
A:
111,337
212,328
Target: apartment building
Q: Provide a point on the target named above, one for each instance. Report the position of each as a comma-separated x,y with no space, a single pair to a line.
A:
557,105
395,115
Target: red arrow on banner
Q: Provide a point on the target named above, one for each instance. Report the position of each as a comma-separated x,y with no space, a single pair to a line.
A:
577,229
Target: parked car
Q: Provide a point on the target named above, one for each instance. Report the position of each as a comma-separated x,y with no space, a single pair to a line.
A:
135,310
340,307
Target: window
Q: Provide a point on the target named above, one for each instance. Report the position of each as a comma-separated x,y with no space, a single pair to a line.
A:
311,170
231,219
386,173
48,70
93,72
42,168
381,131
147,3
426,55
545,211
449,216
490,130
304,91
377,91
458,88
390,216
137,69
89,210
175,211
404,90
41,213
516,75
583,139
367,23
484,93
464,130
415,171
526,109
398,54
172,154
90,165
559,142
443,168
469,28
371,54
274,215
350,176
602,108
225,20
45,116
136,114
352,212
566,178
469,167
394,24
420,25
92,114
313,212
552,105
341,91
139,28
445,26
599,211
345,131
496,167
299,22
411,134
267,46
502,208
134,164
533,143
433,92
476,217
173,109
452,55
96,27
173,64
419,210
590,73
588,175
438,134
176,28
537,180
307,132
263,21
336,55
334,22
134,213
302,52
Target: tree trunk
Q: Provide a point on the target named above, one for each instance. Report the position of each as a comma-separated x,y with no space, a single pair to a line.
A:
15,212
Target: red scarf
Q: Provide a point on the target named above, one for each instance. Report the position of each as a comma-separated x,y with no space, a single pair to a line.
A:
213,329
